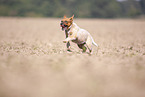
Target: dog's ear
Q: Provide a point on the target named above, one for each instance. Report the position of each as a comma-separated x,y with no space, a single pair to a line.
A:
72,17
64,16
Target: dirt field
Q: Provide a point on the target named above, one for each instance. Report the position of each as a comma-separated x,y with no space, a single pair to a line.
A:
34,61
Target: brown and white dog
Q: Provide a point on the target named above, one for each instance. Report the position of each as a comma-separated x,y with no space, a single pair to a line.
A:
77,35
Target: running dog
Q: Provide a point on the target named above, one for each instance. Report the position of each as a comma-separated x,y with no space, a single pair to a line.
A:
77,35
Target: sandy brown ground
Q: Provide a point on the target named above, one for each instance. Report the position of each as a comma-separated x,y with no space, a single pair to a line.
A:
34,61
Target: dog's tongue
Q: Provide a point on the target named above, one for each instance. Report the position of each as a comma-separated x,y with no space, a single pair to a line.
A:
62,26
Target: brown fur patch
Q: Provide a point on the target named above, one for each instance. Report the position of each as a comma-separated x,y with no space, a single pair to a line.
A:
67,21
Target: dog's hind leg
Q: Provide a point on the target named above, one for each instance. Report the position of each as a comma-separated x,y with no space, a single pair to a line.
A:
81,46
89,44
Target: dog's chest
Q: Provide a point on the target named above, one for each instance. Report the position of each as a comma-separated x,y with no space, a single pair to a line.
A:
79,35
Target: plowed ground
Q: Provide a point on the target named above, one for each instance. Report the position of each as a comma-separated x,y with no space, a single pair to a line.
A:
34,61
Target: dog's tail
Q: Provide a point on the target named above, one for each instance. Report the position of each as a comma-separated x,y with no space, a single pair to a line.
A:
94,42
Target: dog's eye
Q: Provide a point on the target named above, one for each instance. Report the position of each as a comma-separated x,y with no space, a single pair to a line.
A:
61,21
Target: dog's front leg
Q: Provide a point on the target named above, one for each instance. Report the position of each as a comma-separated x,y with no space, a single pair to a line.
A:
68,46
67,40
71,36
68,43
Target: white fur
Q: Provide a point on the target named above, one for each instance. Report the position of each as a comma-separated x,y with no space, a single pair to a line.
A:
79,36
82,34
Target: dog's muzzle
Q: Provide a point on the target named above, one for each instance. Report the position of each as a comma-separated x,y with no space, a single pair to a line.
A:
63,26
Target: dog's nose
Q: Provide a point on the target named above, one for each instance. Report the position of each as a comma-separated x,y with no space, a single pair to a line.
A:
61,23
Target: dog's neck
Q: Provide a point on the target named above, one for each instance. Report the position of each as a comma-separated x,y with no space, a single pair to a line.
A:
73,25
68,28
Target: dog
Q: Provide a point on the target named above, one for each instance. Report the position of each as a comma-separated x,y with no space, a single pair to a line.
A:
77,35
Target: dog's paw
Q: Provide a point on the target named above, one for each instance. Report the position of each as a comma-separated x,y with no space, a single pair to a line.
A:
64,41
69,50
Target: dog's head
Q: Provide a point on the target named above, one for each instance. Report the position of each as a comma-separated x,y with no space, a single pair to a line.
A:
66,22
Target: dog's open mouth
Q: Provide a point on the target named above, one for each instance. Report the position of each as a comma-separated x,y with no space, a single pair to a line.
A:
63,26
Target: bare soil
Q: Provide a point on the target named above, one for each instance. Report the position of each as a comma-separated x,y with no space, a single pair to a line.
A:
34,61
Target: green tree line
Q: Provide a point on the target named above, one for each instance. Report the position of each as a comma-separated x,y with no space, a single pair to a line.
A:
81,8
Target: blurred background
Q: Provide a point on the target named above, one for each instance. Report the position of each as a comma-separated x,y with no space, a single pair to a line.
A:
81,8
